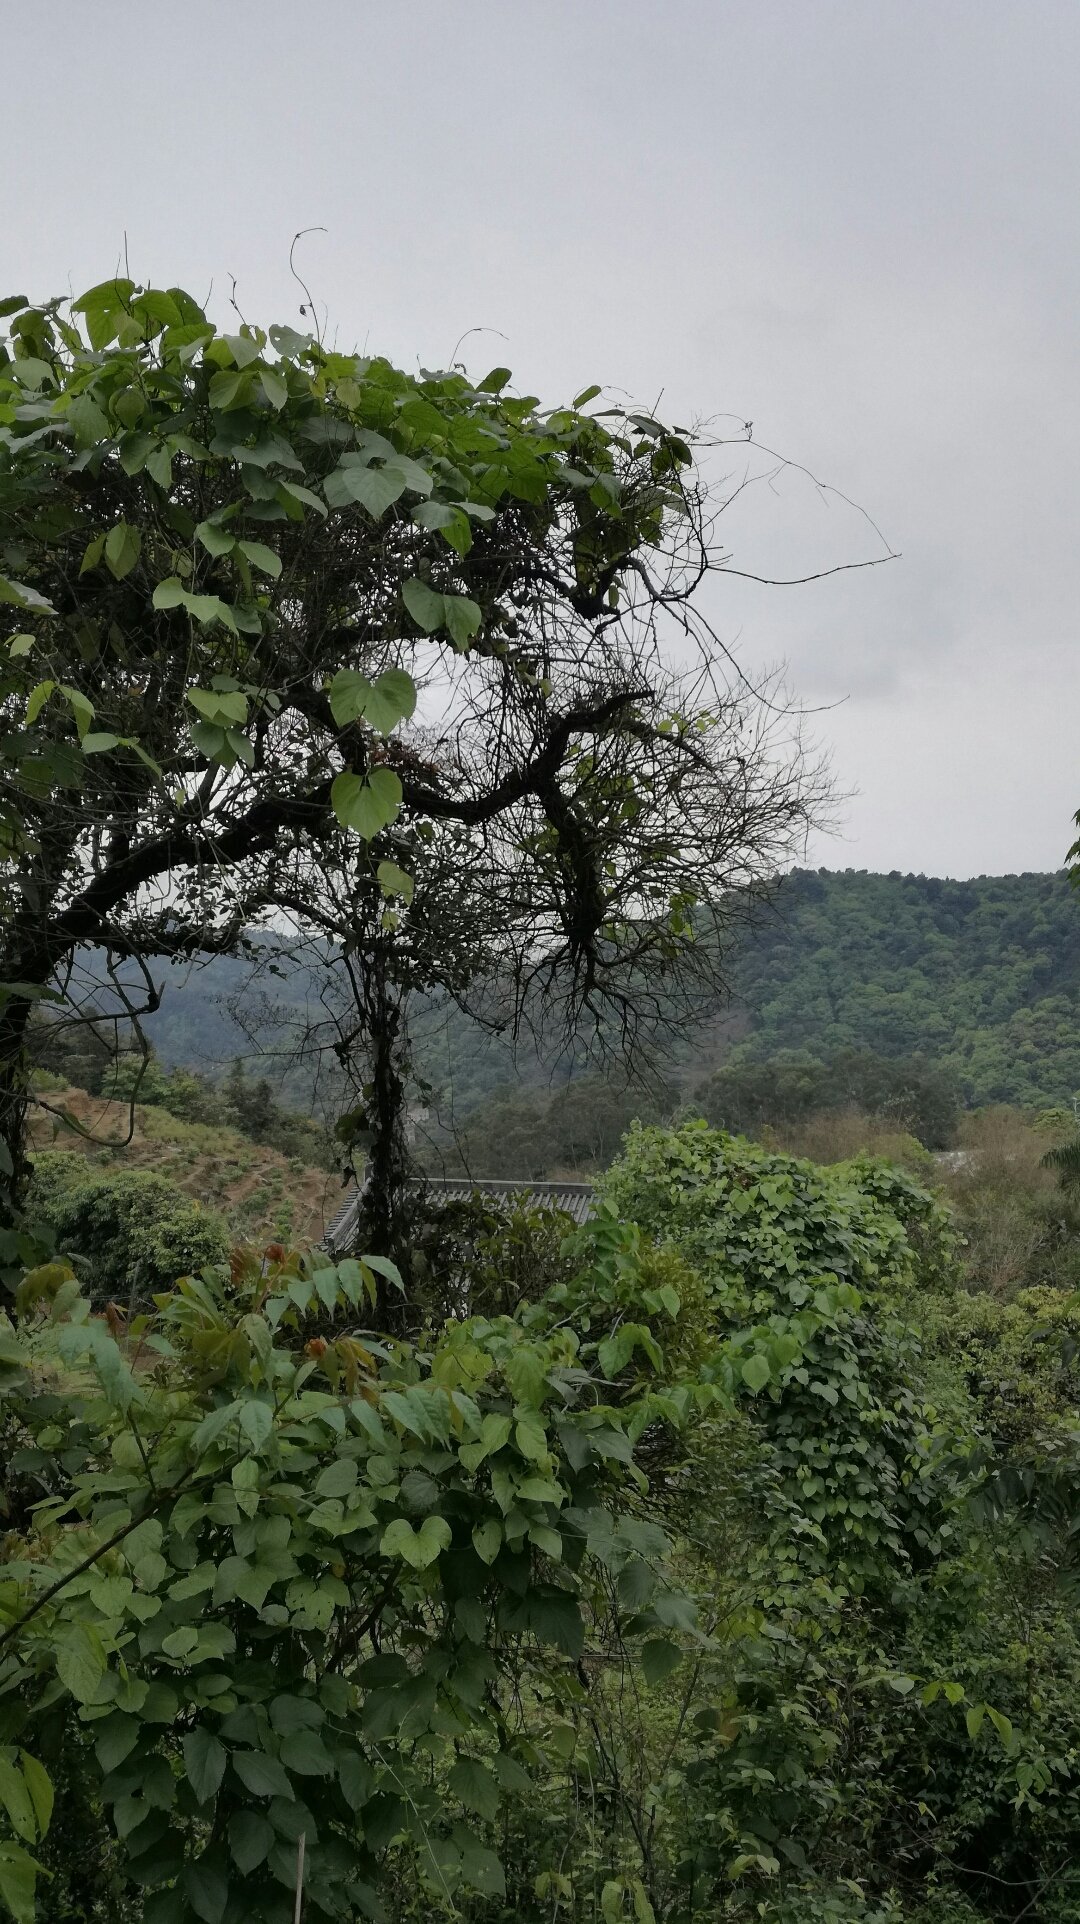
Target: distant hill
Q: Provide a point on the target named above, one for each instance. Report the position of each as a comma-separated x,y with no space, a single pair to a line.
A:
982,977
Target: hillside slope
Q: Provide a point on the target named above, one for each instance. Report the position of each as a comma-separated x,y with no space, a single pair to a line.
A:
981,976
261,1193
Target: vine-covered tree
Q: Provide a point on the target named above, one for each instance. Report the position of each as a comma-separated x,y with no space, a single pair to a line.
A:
290,633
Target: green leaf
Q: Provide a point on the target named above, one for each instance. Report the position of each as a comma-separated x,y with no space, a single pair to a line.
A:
494,382
348,693
1002,1725
475,1787
587,394
755,1372
15,1799
80,1661
462,618
36,700
366,804
487,1539
659,1658
244,351
339,1478
219,705
974,1720
275,390
123,546
250,1838
261,557
418,1548
209,739
296,1713
159,466
116,1739
394,881
391,699
228,389
204,1762
99,744
169,593
94,551
482,1871
375,489
39,1784
215,539
260,1774
384,703
531,1437
207,1886
305,1753
424,605
18,1871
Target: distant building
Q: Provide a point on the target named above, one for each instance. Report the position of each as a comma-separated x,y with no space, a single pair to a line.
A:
575,1199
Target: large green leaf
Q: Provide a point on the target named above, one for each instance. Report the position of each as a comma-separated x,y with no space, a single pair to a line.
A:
384,702
304,1753
123,546
375,489
18,1872
260,1774
206,1884
391,699
473,1784
424,604
80,1661
368,803
755,1371
250,1839
15,1800
659,1658
462,617
204,1761
418,1548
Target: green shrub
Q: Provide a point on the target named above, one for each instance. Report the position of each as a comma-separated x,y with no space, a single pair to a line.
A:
132,1232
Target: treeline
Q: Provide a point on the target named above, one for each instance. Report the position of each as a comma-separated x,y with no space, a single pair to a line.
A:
981,978
577,1128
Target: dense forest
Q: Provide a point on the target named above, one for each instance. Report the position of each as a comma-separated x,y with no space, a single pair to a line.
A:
980,978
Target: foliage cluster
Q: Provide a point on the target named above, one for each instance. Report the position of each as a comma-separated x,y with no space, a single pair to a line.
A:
130,1232
716,1565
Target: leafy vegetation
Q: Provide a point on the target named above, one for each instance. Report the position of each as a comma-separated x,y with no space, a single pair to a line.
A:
718,1565
257,1191
714,1563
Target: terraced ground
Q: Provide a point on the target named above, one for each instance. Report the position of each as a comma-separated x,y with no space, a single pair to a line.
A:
260,1192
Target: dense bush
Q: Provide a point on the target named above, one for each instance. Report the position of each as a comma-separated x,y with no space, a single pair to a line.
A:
132,1232
779,1625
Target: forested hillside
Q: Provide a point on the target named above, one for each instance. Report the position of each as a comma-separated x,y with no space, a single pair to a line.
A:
981,977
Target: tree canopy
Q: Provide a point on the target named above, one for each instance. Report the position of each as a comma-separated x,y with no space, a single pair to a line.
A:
291,633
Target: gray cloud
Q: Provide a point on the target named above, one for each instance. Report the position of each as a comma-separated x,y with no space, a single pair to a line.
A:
856,225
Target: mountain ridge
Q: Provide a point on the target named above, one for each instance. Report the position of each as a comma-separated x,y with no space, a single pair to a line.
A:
981,976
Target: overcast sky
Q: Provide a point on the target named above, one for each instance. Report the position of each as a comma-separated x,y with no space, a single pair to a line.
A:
855,223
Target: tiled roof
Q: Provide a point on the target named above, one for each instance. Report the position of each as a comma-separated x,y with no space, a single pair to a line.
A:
576,1199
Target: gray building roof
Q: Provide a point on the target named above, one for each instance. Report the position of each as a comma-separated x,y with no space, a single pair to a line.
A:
576,1199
